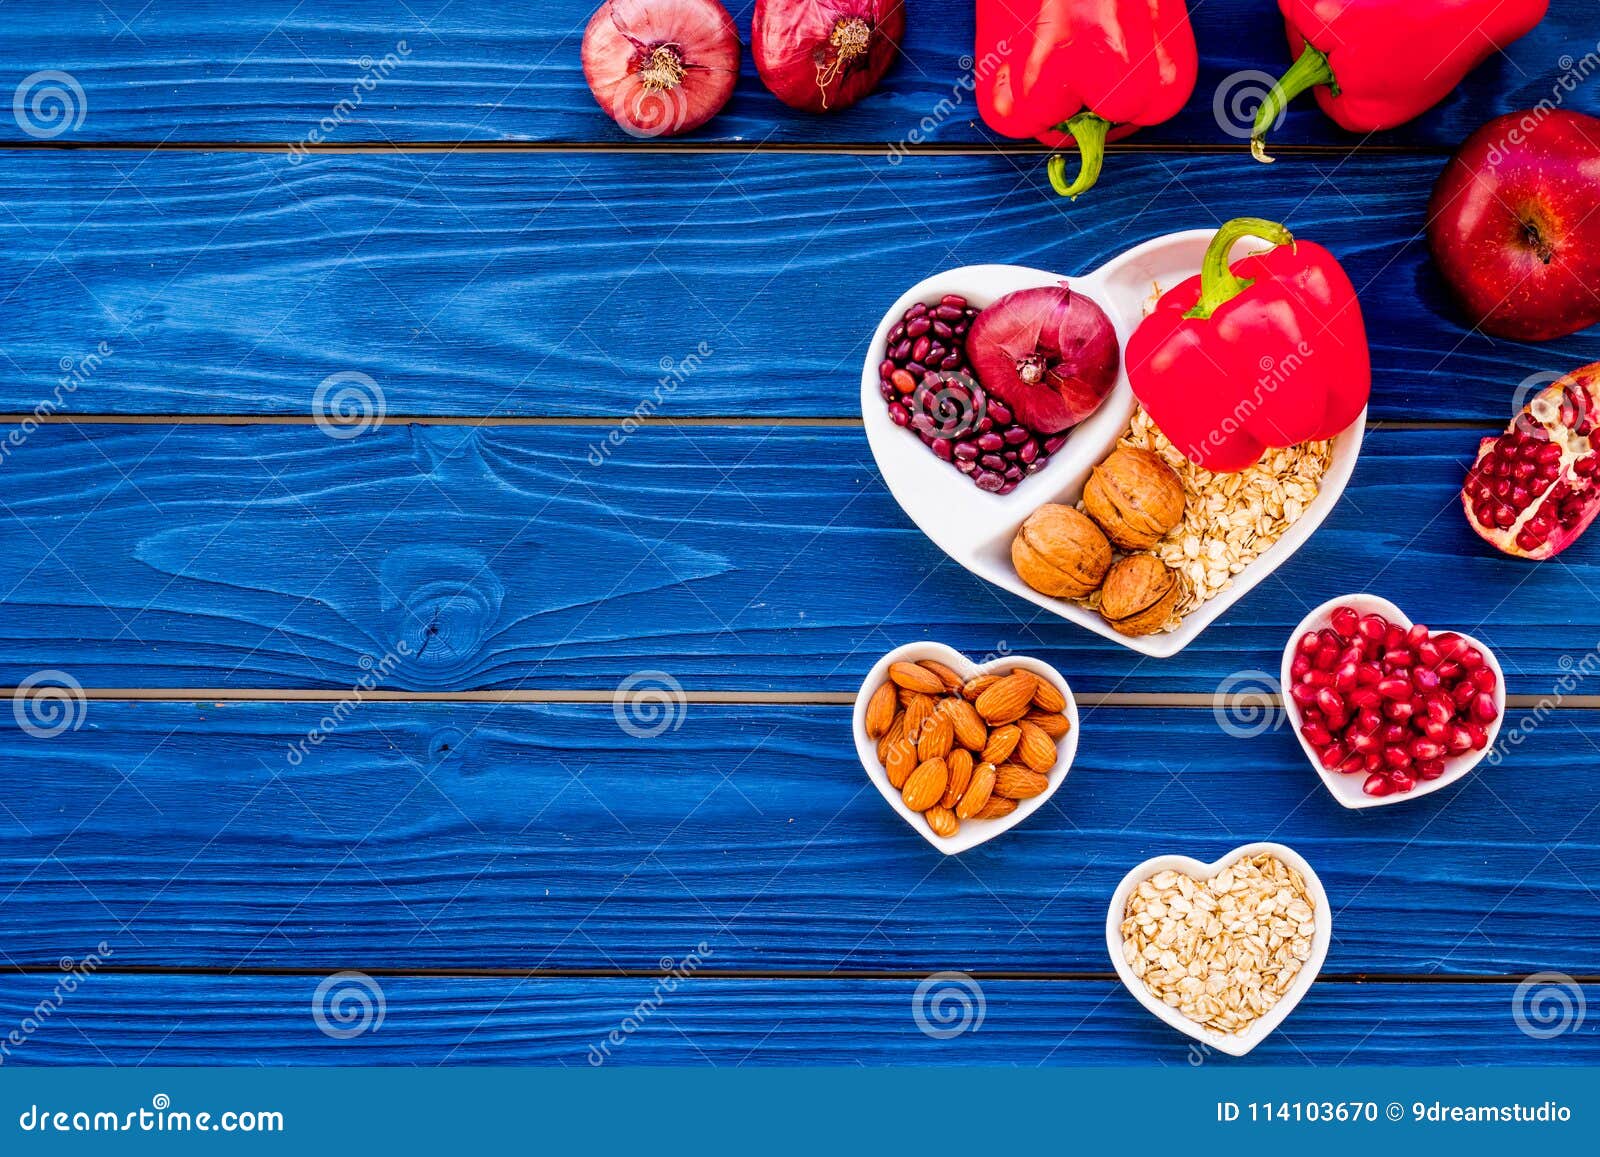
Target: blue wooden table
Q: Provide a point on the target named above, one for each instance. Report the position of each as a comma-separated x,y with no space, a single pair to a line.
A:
335,729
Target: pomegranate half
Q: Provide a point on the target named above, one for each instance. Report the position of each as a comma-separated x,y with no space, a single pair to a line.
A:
1533,490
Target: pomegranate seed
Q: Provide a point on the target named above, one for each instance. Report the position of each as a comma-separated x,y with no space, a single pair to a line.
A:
1484,679
1428,653
1425,749
1440,707
1344,679
1401,780
1398,659
1396,756
1463,693
1430,769
1434,729
1484,709
1352,764
1368,674
1480,736
1329,702
1368,720
1416,635
1345,621
1303,694
1332,755
1458,740
1364,742
1372,628
1471,658
1363,697
1394,688
1378,785
1372,762
1300,665
1319,678
1399,709
1351,654
1449,669
1425,680
1317,735
1325,659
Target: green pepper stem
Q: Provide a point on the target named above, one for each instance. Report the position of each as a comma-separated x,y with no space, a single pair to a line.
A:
1089,131
1218,283
1311,69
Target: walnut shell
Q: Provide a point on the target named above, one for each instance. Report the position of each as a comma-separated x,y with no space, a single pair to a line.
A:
1140,594
1059,551
1135,497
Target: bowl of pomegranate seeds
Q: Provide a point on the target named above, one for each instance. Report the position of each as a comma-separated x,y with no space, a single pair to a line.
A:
1387,709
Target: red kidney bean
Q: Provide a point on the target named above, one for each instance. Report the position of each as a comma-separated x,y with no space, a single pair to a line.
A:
990,481
918,326
899,415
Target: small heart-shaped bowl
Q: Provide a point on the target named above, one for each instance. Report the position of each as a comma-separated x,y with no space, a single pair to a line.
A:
973,832
1234,1044
1347,788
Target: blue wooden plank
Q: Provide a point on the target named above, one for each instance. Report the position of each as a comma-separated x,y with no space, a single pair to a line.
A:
208,1020
208,70
562,285
546,837
737,558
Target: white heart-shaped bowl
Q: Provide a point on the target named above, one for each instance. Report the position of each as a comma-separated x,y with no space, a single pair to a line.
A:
973,832
1234,1044
1347,788
976,528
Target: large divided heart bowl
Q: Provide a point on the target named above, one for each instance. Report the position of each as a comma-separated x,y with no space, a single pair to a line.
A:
976,528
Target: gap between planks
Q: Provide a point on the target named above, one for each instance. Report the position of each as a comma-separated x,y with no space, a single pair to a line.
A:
607,695
690,148
602,420
736,974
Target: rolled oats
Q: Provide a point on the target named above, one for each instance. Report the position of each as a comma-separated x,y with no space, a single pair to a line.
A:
1229,520
1221,951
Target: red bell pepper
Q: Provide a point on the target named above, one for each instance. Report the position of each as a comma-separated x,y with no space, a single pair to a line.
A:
1270,351
1375,64
1082,71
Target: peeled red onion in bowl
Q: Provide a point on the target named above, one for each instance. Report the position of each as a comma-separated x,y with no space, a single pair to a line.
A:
1050,354
825,55
661,67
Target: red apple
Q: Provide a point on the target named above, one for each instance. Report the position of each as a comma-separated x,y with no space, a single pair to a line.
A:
1514,224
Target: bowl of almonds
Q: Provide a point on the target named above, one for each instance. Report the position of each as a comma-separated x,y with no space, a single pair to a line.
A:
1223,951
964,751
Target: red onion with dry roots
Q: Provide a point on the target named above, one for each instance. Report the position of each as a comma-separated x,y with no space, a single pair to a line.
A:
825,55
1049,354
661,67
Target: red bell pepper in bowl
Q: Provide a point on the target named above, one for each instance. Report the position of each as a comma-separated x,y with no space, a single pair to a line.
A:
1082,72
1270,350
1375,64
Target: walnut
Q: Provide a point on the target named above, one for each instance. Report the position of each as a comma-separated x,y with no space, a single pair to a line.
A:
1140,595
1059,551
1135,497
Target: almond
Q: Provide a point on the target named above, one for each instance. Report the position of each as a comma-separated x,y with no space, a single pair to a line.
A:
1037,750
938,735
996,807
1007,700
977,685
971,732
926,785
1048,697
900,763
960,764
881,710
1055,726
951,681
943,821
978,791
1015,782
915,678
897,730
918,712
1002,742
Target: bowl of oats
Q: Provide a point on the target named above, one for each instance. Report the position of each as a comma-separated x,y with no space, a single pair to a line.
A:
1224,951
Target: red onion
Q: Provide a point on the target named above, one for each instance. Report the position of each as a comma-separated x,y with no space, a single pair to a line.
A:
661,67
1048,353
824,55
